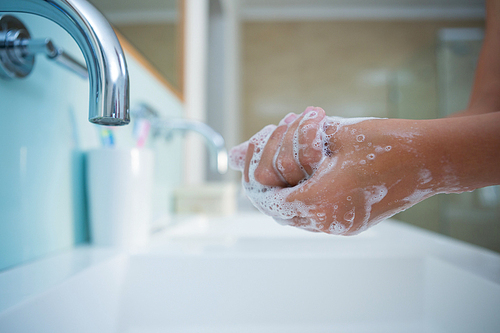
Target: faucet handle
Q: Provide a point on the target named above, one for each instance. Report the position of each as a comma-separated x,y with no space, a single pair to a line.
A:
13,63
18,50
47,47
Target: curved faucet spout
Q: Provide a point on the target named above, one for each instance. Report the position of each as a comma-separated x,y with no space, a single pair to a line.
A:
108,74
215,140
216,143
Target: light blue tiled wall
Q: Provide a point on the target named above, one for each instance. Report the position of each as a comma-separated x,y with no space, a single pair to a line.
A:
44,133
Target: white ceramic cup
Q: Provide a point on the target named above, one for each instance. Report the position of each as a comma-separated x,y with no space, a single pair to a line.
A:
119,189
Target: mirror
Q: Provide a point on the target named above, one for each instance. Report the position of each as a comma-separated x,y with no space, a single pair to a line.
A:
154,30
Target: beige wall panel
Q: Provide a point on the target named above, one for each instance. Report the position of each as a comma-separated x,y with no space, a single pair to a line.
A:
345,67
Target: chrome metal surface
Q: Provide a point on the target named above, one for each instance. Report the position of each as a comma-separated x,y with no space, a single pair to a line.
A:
107,68
165,127
47,47
18,50
13,64
215,140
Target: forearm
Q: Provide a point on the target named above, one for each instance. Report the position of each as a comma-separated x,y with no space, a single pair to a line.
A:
464,152
485,95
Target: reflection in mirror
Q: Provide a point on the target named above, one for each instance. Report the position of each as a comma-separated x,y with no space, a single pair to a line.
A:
153,27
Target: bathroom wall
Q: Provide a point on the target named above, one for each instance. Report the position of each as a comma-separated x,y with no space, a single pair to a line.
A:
345,67
44,133
158,43
471,216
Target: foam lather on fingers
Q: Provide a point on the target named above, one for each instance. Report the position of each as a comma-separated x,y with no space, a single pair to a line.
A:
272,200
237,156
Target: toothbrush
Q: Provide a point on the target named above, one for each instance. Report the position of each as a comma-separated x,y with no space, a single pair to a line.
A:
142,133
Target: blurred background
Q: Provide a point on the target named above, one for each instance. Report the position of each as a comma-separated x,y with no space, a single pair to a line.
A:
397,59
239,65
243,64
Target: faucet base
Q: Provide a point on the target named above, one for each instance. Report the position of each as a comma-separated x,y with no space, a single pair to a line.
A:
13,63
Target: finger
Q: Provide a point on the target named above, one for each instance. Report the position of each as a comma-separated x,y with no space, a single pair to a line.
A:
287,162
248,160
237,156
253,153
265,173
288,119
328,213
316,223
309,142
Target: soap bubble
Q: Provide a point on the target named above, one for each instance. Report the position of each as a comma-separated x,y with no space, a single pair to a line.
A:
349,216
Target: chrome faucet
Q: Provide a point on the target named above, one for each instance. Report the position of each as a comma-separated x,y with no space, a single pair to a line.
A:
165,127
215,140
107,69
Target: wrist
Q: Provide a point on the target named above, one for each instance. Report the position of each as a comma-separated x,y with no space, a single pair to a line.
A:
462,153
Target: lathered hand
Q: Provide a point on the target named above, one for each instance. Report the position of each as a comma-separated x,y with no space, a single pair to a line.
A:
342,176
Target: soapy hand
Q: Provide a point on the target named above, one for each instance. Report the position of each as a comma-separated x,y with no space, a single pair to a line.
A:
336,175
341,175
290,154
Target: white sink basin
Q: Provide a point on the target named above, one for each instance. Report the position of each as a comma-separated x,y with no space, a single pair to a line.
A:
396,279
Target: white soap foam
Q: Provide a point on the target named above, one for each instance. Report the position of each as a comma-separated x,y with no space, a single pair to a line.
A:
272,200
237,156
417,196
373,195
425,176
337,228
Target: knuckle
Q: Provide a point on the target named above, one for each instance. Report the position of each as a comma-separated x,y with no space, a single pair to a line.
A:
261,176
267,177
309,157
286,165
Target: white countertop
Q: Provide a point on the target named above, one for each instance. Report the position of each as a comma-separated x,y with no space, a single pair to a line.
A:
250,234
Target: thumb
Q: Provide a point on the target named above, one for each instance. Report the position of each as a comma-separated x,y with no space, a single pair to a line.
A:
237,156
